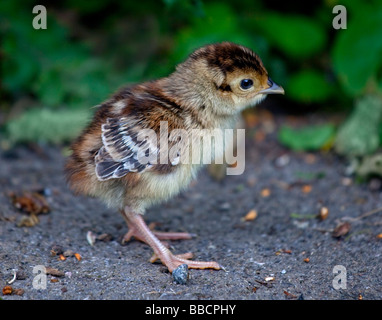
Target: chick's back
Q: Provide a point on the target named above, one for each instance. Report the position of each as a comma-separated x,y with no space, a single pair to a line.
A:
140,107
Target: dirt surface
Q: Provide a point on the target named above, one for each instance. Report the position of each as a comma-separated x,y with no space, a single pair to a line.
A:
284,253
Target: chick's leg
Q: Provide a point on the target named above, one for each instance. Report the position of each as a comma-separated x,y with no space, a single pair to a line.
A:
139,229
160,235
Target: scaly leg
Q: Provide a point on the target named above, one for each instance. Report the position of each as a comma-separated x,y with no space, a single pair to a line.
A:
160,235
139,229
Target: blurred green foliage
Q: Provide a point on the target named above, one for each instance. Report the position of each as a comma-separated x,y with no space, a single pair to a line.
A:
357,53
55,126
310,138
91,48
360,134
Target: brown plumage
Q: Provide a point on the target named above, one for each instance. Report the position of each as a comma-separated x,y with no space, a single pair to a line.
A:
207,91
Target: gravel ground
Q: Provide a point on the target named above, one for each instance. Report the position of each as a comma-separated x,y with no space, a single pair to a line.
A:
284,253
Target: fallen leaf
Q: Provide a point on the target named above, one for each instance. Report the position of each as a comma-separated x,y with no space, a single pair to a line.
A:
306,260
7,290
341,230
78,256
379,236
30,202
265,192
106,237
54,272
18,292
28,221
54,280
306,188
289,295
251,215
62,257
266,284
278,252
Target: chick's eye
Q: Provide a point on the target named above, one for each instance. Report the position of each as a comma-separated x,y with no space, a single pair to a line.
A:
246,84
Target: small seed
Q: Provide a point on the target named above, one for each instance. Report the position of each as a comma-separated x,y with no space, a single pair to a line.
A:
323,214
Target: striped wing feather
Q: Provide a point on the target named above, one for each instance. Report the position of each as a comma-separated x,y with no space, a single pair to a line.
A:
122,149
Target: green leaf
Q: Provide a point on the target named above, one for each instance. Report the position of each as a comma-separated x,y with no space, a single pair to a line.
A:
309,86
358,49
297,36
309,138
45,125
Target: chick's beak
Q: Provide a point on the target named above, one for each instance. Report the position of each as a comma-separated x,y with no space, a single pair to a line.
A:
273,88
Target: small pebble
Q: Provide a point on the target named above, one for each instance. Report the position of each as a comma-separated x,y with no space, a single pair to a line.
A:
180,274
282,161
47,192
20,275
346,181
225,206
375,184
68,253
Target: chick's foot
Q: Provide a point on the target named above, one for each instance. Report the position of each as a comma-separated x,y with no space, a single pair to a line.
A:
139,230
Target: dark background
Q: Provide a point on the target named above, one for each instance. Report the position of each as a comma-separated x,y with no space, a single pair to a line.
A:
51,78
